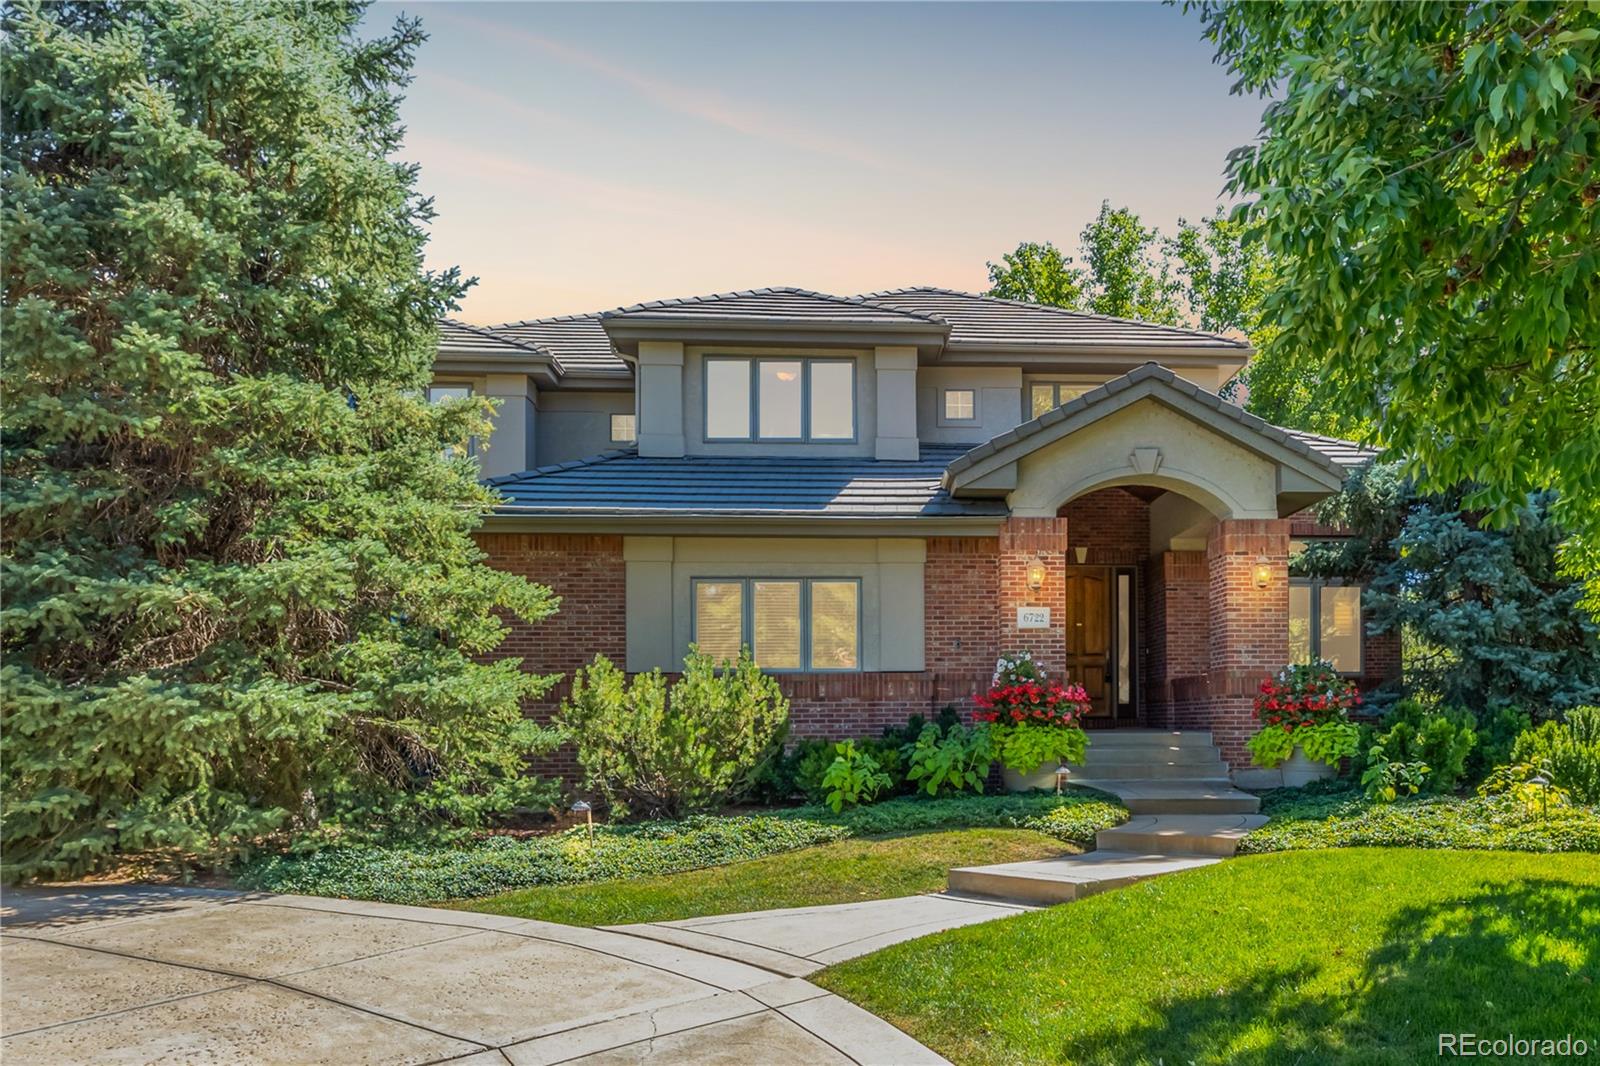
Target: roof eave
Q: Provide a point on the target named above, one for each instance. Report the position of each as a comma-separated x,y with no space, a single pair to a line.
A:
627,331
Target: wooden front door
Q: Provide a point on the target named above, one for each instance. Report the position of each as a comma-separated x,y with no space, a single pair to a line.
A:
1089,634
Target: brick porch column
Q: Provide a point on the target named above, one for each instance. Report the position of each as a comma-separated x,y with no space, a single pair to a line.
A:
1249,625
1024,542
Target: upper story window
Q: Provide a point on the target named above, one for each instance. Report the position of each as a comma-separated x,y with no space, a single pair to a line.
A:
960,405
624,430
780,399
440,393
1324,620
1043,395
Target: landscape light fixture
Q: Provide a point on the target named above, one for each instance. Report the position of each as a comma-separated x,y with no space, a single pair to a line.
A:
582,807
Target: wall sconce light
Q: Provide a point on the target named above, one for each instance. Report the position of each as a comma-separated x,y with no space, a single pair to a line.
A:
1036,575
1082,554
1263,573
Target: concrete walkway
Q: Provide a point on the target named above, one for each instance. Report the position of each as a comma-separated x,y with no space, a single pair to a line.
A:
141,975
802,940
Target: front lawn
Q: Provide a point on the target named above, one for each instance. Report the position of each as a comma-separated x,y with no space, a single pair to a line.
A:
844,872
1344,956
1346,818
410,874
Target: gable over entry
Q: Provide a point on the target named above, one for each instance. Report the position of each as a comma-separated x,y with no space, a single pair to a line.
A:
1148,427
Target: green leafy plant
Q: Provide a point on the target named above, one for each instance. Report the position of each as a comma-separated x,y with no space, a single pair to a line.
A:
667,750
1441,739
1024,747
950,760
1386,780
1528,784
852,778
1568,752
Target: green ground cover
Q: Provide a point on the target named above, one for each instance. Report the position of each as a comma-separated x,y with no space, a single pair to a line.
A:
406,874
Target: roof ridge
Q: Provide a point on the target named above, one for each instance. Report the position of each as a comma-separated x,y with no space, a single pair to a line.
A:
768,290
489,332
553,318
1096,316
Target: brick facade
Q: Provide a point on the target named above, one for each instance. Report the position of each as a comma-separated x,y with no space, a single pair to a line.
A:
1207,634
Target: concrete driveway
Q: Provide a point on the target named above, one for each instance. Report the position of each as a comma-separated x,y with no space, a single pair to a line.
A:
139,975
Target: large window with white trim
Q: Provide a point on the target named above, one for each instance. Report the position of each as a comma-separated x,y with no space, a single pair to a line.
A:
809,624
780,399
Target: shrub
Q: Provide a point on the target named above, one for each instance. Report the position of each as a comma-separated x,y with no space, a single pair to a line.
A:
1498,731
1568,752
1386,780
950,760
1439,740
666,751
1307,706
852,778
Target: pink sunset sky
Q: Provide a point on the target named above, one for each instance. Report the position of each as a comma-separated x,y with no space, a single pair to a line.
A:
583,157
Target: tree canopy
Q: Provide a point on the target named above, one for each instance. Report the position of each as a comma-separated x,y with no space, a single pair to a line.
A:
241,597
1426,181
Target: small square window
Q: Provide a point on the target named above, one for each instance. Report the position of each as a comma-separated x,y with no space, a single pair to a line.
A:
960,405
623,429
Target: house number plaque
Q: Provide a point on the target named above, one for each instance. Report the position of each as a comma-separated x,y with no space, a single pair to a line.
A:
1033,618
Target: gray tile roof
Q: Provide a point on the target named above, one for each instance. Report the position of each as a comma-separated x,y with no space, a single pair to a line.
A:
625,484
785,304
990,322
1325,451
461,339
1346,453
580,344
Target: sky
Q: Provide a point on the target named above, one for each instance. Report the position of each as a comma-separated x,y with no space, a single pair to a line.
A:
589,156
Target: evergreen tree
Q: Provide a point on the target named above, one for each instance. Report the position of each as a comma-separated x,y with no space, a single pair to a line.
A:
241,594
1490,621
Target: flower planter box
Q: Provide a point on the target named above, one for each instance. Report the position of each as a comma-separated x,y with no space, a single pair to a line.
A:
1299,771
1015,781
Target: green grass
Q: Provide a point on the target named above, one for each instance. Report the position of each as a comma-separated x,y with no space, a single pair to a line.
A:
1341,956
842,872
1339,819
403,873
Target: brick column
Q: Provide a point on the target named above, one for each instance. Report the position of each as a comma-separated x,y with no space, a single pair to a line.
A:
1249,626
1177,633
1024,542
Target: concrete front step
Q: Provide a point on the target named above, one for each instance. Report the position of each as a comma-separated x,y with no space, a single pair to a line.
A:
1069,877
1156,738
1117,753
1180,834
1213,795
1148,769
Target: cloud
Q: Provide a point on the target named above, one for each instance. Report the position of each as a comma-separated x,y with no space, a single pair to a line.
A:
698,104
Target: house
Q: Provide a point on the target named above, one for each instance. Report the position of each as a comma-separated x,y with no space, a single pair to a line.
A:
882,493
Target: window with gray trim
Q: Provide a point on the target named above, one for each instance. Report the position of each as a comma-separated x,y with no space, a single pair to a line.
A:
441,392
788,623
1325,619
960,405
777,399
623,429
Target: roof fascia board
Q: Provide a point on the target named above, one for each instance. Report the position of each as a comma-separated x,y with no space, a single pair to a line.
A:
545,372
1166,354
626,334
507,520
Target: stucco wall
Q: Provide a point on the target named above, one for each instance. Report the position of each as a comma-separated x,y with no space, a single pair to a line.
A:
573,425
997,395
1196,462
661,569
